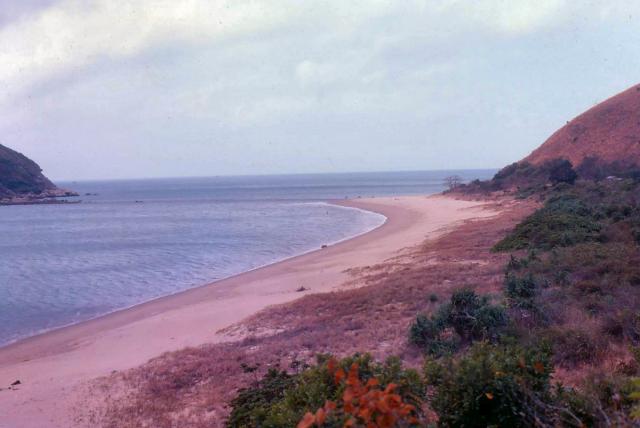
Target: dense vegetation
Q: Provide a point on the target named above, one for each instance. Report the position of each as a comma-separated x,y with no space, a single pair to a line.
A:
524,178
570,302
573,281
331,394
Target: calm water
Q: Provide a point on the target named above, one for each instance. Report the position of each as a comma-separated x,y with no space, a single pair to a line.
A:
140,239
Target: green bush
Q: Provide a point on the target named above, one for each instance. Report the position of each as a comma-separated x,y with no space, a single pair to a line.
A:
469,316
521,291
425,333
473,317
493,386
252,405
563,221
562,172
281,399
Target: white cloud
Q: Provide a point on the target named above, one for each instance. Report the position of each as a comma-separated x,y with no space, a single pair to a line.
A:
149,75
515,17
313,73
76,33
72,34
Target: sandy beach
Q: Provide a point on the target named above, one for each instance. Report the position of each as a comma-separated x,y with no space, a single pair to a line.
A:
52,367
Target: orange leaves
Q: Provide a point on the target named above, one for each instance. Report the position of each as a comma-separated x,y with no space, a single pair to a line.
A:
538,367
318,418
307,421
362,404
321,416
353,379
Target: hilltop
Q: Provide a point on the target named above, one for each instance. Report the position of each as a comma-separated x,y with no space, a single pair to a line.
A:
22,181
604,141
609,131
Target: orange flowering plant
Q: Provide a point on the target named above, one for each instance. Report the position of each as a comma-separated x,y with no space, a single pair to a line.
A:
355,391
362,403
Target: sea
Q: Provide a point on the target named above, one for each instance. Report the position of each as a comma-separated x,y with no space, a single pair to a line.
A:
131,241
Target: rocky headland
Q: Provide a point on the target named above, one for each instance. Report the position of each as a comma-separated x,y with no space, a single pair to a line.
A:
22,181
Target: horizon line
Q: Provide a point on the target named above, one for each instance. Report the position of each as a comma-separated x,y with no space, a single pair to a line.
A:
69,180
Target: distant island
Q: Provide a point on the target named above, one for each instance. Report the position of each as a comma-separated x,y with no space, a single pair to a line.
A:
22,181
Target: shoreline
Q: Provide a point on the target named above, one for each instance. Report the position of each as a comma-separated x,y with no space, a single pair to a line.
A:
52,366
212,283
62,330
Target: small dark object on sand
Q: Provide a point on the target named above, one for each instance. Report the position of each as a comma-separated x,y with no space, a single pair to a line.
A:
16,383
324,246
301,289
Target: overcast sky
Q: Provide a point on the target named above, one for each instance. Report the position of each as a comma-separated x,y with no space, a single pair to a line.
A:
148,88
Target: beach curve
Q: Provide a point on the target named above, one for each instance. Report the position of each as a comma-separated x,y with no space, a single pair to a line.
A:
52,365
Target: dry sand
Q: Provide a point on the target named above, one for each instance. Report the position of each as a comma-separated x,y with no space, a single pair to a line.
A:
54,366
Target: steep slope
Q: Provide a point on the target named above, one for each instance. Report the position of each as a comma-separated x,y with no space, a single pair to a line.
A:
20,177
609,131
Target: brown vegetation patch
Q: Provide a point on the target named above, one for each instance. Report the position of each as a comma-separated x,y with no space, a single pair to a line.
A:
610,131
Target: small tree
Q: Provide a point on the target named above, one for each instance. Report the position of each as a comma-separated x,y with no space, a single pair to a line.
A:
453,181
562,172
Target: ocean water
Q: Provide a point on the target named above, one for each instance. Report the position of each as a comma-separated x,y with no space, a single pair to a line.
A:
130,241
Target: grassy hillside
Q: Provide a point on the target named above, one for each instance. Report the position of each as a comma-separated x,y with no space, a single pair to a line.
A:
610,131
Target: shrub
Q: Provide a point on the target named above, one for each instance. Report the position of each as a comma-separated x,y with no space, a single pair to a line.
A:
520,291
607,401
472,317
561,171
281,399
563,221
574,347
361,403
468,315
593,168
493,386
635,396
251,405
425,331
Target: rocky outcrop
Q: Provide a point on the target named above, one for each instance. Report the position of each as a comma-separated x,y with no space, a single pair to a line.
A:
22,181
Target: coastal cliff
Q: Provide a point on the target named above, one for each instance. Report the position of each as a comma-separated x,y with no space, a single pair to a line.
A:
22,180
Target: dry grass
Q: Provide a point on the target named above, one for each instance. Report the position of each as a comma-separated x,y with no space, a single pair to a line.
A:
189,388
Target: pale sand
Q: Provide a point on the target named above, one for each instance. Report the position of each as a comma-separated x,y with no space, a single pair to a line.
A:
53,366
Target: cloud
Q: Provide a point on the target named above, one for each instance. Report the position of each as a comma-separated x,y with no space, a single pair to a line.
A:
515,17
312,73
76,33
99,82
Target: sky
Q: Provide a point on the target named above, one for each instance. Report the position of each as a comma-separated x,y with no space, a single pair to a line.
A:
100,89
